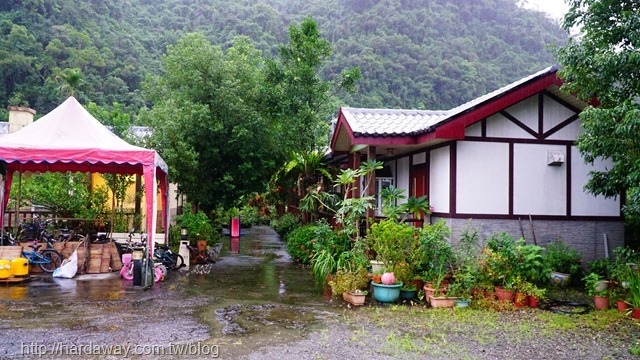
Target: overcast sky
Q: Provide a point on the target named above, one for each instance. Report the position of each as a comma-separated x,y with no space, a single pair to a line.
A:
555,8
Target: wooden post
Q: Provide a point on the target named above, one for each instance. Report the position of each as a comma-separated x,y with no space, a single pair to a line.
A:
371,185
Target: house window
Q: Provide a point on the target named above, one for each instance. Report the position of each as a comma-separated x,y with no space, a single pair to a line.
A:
381,183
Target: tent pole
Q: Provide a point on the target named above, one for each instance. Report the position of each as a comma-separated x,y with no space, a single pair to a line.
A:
18,199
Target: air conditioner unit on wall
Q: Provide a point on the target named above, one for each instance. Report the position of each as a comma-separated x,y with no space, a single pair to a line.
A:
555,157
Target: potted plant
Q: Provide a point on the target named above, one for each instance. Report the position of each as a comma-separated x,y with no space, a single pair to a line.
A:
500,259
405,275
388,291
633,284
520,297
563,260
534,294
600,296
392,241
442,297
465,280
350,283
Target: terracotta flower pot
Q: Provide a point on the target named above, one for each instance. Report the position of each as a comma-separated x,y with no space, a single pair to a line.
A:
635,313
601,302
533,301
353,298
442,301
622,306
520,300
502,294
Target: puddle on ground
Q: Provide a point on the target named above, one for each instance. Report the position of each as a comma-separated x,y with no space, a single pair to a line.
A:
253,296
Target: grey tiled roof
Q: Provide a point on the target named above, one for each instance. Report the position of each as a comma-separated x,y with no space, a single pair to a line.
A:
398,122
469,105
390,122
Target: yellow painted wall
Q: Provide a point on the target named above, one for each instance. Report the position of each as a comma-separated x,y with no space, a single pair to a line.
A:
97,181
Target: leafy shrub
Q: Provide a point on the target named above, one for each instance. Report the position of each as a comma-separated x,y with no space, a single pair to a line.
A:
285,224
332,250
250,216
198,226
435,253
561,257
300,243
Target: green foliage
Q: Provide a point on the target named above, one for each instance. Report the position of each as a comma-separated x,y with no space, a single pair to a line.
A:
332,250
415,206
530,266
285,224
250,215
435,253
621,268
560,257
301,97
602,267
117,44
393,242
591,284
65,194
207,122
597,66
501,258
300,243
634,287
197,224
346,280
349,211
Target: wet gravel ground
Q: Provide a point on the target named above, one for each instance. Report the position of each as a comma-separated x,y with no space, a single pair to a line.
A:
255,304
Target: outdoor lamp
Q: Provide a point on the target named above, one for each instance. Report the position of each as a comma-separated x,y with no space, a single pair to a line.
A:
183,233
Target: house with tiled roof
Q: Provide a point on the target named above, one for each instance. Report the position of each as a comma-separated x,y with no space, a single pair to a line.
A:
506,161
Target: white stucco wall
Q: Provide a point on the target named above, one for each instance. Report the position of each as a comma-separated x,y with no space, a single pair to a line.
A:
439,175
473,130
499,126
538,189
402,177
526,111
554,113
583,203
482,178
419,158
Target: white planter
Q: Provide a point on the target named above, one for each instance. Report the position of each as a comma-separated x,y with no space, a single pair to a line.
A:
602,285
377,266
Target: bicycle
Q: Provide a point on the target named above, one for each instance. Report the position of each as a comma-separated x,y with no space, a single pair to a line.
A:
170,260
127,271
47,259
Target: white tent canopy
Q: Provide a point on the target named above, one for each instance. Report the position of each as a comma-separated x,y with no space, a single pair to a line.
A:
70,139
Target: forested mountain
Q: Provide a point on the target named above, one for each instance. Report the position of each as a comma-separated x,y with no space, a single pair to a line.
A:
432,54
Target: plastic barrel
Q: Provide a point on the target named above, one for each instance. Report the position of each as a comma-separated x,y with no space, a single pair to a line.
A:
235,227
5,269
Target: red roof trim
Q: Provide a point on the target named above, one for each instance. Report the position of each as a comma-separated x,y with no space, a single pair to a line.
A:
454,128
340,123
385,140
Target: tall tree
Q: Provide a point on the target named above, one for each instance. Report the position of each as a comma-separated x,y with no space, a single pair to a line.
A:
297,95
207,123
603,65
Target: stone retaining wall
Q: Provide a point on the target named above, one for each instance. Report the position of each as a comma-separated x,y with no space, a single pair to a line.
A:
586,236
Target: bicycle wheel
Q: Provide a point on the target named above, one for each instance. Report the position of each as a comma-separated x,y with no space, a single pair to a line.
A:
51,260
178,261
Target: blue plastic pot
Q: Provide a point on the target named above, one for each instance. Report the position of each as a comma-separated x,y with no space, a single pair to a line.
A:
407,294
386,293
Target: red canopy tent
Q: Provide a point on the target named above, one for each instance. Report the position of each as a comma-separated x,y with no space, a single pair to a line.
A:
70,139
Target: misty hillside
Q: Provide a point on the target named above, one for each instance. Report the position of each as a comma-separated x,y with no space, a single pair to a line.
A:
432,54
